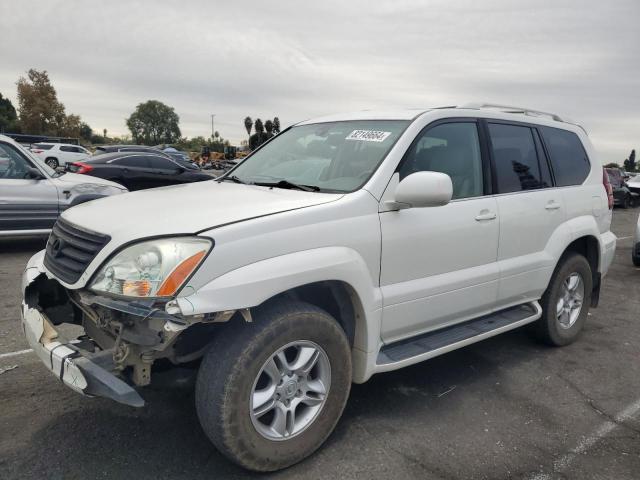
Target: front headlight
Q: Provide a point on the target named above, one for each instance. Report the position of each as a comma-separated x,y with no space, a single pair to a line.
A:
155,268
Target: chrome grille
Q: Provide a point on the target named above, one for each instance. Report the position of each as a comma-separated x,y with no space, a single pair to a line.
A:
70,250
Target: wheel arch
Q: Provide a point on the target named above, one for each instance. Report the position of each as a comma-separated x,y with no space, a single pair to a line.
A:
589,247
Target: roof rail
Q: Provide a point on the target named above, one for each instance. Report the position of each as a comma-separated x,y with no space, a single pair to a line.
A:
511,109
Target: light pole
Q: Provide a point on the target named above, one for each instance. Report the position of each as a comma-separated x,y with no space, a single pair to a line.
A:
212,129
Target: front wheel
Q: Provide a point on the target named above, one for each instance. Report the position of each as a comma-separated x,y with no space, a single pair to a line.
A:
52,162
565,303
270,392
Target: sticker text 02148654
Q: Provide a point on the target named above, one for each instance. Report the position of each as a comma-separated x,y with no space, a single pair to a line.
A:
368,135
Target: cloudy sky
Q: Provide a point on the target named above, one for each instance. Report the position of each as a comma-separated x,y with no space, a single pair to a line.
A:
295,60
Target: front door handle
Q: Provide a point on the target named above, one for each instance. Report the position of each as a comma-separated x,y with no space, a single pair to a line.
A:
552,205
485,215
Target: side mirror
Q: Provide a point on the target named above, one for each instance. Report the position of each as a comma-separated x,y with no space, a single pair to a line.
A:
424,189
34,174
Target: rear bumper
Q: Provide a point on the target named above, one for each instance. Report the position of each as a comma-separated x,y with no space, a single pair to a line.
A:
83,371
607,251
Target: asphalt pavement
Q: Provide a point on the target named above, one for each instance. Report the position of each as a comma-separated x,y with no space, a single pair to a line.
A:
504,408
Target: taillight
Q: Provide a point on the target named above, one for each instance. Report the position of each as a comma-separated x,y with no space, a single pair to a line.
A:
607,188
80,167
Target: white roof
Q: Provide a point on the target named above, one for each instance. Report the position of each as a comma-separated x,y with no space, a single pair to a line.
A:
408,114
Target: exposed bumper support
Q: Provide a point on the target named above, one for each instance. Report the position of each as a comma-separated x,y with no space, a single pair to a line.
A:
70,363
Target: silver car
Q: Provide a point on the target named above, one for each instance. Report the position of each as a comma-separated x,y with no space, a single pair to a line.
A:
32,195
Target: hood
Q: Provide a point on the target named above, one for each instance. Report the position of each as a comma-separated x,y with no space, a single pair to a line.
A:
73,179
187,208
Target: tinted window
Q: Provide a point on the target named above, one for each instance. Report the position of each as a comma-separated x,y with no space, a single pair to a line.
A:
163,163
568,157
64,148
518,166
132,162
42,147
451,148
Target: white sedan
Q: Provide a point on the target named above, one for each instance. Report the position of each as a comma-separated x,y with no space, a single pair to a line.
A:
59,154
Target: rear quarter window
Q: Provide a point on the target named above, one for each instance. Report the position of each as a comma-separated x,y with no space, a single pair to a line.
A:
569,159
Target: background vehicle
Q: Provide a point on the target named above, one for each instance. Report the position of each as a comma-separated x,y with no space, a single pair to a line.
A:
139,170
100,149
346,246
32,195
622,196
59,154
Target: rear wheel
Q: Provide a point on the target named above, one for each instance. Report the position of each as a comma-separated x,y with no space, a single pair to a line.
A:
565,303
270,392
52,162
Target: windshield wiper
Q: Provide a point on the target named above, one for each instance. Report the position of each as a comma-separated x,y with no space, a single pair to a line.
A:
235,179
287,184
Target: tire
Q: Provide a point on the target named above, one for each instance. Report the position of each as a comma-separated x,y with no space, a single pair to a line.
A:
562,330
635,254
231,371
52,162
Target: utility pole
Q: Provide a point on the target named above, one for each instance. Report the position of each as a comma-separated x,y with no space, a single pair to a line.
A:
212,129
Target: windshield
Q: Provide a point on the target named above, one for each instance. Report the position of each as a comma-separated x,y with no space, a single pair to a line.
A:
335,157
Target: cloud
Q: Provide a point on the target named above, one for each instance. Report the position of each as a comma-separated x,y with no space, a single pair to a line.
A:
295,60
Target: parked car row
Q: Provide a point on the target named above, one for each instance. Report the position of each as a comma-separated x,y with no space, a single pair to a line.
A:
139,170
626,189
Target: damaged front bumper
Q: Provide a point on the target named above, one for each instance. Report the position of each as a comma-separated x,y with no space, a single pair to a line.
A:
77,363
73,366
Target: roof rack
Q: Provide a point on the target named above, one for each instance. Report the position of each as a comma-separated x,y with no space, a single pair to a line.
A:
511,109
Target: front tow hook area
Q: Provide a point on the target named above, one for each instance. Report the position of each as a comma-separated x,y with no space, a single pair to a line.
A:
83,371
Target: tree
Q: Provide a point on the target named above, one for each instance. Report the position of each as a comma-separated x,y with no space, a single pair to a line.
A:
153,122
259,137
8,116
216,135
40,111
68,126
85,131
632,161
248,123
276,125
268,126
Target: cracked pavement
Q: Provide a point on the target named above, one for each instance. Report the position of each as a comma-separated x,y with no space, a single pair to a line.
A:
504,408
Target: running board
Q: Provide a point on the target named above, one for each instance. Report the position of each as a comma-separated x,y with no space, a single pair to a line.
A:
432,344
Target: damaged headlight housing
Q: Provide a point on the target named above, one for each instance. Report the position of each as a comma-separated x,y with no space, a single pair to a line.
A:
155,268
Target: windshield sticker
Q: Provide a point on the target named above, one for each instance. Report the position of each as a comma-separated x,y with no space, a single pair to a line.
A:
368,135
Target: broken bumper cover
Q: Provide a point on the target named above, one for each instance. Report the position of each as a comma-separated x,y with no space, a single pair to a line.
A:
79,370
67,362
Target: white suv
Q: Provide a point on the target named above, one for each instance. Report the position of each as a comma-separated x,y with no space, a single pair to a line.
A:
343,247
59,154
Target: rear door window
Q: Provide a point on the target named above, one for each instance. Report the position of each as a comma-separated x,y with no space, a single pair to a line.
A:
133,161
569,159
519,164
162,163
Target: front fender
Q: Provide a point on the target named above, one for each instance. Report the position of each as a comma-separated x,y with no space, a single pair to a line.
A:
253,284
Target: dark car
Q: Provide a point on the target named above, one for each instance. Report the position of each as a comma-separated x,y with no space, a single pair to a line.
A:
622,196
138,170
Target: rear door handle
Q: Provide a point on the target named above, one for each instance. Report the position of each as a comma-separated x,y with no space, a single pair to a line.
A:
552,205
485,215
